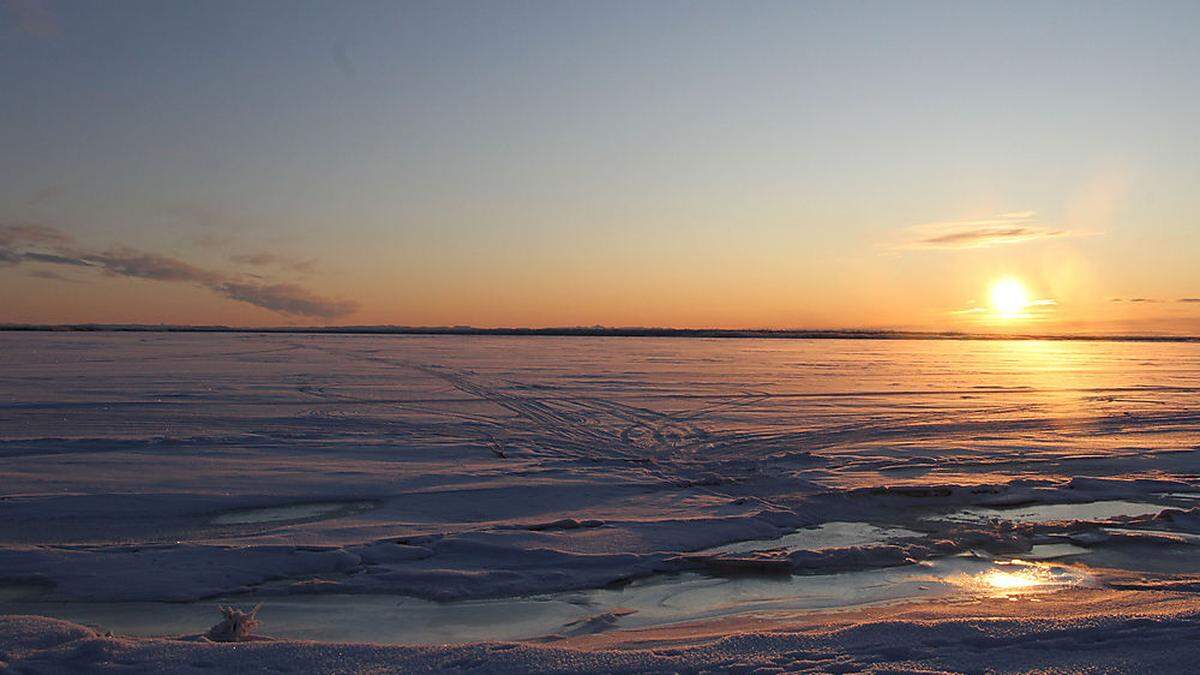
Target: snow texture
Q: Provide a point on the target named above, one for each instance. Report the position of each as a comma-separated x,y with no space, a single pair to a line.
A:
205,469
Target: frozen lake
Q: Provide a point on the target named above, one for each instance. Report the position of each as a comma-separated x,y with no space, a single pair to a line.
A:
450,489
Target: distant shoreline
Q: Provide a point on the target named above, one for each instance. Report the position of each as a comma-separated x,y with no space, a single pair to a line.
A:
728,333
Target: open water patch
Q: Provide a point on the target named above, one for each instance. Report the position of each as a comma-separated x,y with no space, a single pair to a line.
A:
653,601
836,534
291,512
1046,513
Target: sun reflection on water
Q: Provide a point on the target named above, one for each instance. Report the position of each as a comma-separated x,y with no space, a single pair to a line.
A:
1018,577
1010,580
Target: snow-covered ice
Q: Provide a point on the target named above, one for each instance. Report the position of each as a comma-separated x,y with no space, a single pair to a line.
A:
589,496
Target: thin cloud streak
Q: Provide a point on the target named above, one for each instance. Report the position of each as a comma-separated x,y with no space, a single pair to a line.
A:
53,259
59,248
1153,300
1040,309
1017,227
286,298
32,234
987,236
126,262
54,276
266,259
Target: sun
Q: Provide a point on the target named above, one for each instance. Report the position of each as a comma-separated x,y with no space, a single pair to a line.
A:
1008,298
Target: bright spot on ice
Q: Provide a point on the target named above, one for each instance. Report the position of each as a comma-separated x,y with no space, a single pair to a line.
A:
1009,580
1018,576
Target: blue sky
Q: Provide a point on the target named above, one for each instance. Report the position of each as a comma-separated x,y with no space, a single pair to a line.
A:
748,164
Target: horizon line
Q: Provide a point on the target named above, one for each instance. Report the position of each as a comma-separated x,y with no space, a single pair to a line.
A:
601,331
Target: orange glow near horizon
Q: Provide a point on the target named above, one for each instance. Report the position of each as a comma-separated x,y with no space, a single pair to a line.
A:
437,174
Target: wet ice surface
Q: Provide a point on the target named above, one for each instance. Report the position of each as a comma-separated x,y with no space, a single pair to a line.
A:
290,512
823,536
556,480
655,601
1106,510
1053,551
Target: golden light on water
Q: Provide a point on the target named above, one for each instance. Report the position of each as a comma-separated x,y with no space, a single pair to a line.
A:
1019,577
1009,298
1005,581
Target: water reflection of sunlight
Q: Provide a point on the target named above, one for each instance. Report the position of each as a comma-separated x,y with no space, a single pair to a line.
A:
1004,581
1016,577
1033,356
1056,369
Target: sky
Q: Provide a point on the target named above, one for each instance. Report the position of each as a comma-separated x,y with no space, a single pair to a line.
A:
688,164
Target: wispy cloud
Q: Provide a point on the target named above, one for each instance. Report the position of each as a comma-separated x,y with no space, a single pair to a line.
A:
983,236
219,234
53,276
1039,309
1153,300
32,234
50,246
286,298
127,262
34,256
1017,227
267,259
